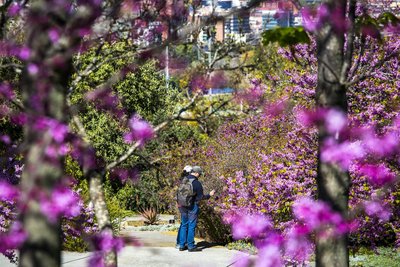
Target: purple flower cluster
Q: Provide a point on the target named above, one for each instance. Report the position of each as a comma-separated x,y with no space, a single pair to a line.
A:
104,242
140,131
63,202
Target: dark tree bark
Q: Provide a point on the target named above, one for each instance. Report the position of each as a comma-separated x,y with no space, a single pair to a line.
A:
333,183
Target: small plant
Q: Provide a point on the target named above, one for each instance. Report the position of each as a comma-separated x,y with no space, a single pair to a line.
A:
150,215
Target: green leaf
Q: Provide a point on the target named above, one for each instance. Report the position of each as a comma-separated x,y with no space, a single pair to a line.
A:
388,18
286,36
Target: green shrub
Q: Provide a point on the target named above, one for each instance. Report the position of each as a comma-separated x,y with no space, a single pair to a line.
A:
73,243
211,227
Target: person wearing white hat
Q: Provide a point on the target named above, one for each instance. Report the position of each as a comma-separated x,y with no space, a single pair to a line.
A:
189,213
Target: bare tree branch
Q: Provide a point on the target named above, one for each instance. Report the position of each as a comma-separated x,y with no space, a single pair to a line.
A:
367,74
159,127
348,57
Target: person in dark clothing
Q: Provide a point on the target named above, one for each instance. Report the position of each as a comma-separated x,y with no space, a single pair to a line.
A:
189,214
186,172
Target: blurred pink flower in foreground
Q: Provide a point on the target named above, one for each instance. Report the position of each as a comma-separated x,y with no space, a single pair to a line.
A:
140,131
250,226
63,202
378,175
377,209
13,238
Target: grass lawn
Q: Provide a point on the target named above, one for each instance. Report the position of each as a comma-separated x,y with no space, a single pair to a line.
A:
386,257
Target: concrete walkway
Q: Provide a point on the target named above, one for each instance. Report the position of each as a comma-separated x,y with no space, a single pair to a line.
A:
157,250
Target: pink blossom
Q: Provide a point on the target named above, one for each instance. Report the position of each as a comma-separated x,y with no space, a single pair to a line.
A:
63,202
5,139
339,22
343,153
269,256
335,121
19,119
313,19
140,131
380,146
96,260
7,191
308,118
315,214
6,91
297,246
54,35
13,239
249,226
105,99
33,69
58,130
24,53
375,208
378,175
241,260
105,242
276,108
14,9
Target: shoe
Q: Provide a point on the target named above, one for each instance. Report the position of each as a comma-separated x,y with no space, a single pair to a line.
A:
182,249
177,246
195,249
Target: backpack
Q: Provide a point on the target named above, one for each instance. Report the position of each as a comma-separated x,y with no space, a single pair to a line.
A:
185,193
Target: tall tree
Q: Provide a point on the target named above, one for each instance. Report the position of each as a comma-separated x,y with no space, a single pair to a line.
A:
333,183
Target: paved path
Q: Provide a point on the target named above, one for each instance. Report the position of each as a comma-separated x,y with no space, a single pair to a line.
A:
158,250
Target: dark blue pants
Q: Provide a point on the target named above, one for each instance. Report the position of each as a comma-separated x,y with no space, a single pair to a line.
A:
188,226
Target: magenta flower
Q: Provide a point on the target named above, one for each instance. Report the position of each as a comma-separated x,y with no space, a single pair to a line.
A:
14,9
24,53
33,69
335,121
313,20
105,99
297,246
315,214
378,175
384,146
377,209
13,239
249,226
54,35
140,131
5,139
19,119
63,202
104,242
7,191
241,260
339,21
58,130
6,91
343,153
269,256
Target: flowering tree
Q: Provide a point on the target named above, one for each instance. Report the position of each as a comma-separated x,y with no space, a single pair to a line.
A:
57,32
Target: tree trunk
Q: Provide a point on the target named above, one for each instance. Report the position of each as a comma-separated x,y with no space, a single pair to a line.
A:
103,218
333,183
44,89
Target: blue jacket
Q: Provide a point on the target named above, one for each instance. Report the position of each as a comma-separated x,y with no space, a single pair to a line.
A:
197,189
